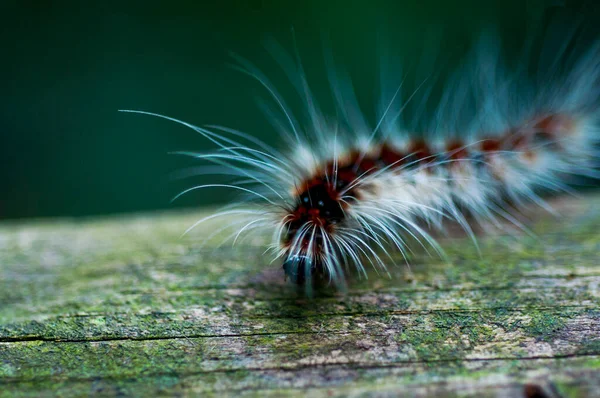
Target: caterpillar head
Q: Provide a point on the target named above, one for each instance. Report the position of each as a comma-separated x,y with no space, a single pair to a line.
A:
308,240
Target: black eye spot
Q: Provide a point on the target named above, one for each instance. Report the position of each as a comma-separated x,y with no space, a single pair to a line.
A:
318,198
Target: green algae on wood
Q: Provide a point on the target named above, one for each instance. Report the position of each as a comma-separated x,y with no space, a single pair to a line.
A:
123,305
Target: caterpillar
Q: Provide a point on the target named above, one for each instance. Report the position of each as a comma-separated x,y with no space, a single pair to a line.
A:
345,193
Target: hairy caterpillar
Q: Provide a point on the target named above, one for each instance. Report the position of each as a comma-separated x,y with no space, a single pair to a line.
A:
346,192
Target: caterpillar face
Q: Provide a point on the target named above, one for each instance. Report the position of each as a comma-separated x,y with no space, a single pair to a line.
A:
311,224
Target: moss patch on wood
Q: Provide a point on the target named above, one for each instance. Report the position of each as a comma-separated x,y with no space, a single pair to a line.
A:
123,305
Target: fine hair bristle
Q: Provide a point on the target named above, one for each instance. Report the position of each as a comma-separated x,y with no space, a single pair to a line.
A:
346,192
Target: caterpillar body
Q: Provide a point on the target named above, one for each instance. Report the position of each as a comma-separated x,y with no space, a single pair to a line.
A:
347,193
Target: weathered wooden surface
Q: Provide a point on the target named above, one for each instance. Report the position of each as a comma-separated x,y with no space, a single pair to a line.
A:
123,305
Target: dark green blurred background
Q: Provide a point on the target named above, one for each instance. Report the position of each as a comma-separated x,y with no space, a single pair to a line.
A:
68,66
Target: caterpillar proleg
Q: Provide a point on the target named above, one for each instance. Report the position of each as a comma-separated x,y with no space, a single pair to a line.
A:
346,191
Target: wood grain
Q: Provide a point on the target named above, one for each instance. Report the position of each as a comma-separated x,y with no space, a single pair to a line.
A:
123,305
